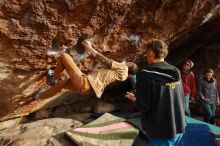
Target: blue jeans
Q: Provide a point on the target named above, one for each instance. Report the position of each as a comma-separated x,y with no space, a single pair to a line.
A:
186,105
133,83
165,141
209,110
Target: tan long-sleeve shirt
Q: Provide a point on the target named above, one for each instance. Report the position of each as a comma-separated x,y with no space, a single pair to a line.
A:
101,78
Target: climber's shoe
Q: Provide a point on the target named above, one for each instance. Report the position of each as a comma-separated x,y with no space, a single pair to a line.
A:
50,77
37,94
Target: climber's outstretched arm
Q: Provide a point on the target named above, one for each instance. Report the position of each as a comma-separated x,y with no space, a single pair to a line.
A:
96,54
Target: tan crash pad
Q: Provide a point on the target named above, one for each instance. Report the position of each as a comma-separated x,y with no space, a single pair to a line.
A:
108,130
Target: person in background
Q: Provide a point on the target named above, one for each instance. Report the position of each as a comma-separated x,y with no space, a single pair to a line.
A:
189,84
159,96
208,93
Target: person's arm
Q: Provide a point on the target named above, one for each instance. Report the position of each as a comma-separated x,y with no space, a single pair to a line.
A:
217,94
131,96
217,100
96,54
200,90
193,87
143,92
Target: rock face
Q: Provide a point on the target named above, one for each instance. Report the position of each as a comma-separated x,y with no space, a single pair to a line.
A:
119,30
39,133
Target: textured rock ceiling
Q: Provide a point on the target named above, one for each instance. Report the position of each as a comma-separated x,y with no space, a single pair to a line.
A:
119,28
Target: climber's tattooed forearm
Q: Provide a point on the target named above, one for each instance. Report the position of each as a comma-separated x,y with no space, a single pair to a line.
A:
104,60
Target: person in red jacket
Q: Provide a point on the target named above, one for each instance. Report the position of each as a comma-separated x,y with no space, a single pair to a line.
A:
189,84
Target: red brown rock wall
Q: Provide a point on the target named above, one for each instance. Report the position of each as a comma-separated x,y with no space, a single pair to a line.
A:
119,29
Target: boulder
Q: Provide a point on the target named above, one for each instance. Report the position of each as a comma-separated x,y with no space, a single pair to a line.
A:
43,132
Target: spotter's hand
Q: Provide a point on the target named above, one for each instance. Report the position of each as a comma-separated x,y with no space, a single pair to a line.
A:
130,96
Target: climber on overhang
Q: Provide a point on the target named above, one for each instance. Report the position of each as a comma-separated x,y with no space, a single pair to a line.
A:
95,82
